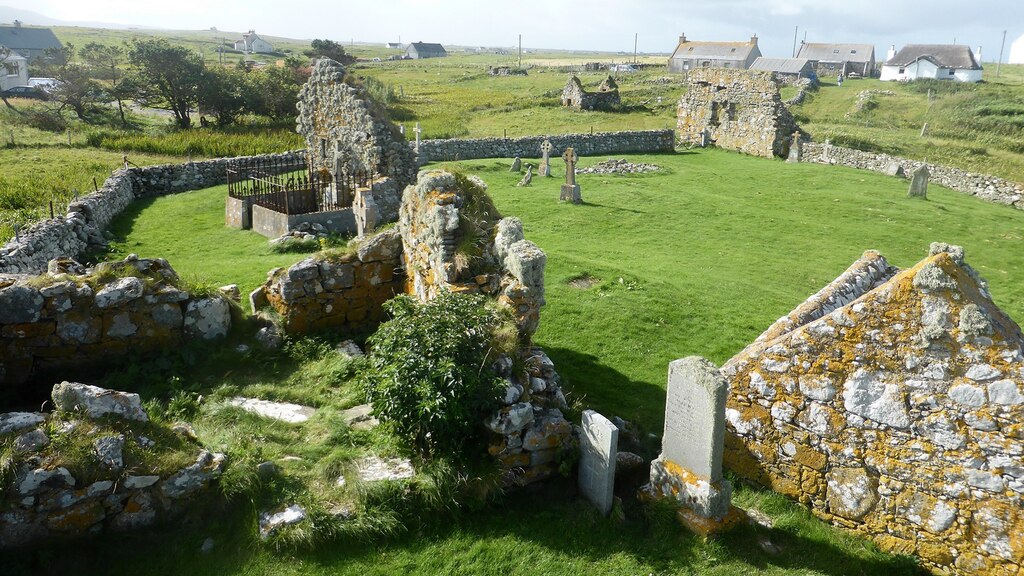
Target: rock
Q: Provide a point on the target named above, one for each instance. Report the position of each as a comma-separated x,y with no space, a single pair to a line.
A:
195,477
20,304
35,479
271,522
360,417
138,482
98,402
185,430
376,469
349,349
852,492
109,452
382,247
266,470
283,411
19,421
549,430
231,291
871,395
208,318
139,512
257,299
511,419
931,278
31,441
207,546
119,292
627,462
269,338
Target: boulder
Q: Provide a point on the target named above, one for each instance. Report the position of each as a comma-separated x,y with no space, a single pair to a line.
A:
97,402
208,318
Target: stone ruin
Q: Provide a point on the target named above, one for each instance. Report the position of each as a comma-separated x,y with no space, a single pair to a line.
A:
736,110
892,403
605,98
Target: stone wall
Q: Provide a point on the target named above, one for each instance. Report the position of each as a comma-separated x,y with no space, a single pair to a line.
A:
601,143
344,292
118,490
989,188
605,98
892,404
60,321
82,228
736,110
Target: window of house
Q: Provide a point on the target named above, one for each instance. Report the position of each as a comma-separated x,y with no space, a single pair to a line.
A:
951,71
733,50
853,51
902,70
11,68
690,49
835,51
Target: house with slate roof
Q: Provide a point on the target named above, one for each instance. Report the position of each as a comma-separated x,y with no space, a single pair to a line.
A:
934,61
836,59
13,70
420,50
251,43
787,69
32,43
690,55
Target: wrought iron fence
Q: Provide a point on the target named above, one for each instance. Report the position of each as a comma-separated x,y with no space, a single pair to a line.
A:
291,187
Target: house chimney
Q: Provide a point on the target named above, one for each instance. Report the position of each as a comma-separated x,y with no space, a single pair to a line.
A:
977,55
682,38
891,53
753,39
17,23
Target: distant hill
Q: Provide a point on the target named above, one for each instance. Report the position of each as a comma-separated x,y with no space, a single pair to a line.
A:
9,14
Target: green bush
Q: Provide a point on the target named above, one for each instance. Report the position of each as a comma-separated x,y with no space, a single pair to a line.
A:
430,378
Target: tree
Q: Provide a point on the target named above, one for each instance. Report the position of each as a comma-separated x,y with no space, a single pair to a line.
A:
167,77
223,94
273,91
329,49
75,88
106,63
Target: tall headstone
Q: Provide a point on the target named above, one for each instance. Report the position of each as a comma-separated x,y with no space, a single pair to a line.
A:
599,446
544,171
570,190
364,208
517,165
418,131
795,149
919,183
689,469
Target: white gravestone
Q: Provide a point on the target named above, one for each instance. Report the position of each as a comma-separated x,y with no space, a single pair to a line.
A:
599,446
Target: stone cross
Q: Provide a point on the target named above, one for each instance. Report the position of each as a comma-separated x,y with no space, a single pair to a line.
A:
545,162
919,183
417,130
571,159
795,152
599,446
689,468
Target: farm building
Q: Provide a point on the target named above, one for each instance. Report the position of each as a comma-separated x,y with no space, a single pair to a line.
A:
393,45
420,50
32,43
785,68
836,59
251,43
932,61
13,71
1017,51
690,55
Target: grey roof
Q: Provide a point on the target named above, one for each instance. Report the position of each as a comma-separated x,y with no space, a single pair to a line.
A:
427,47
836,52
943,55
781,65
21,38
721,50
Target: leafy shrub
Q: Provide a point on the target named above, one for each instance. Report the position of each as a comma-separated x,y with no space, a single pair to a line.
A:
47,121
430,377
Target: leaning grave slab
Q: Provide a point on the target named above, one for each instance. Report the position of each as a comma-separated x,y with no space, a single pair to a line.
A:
892,403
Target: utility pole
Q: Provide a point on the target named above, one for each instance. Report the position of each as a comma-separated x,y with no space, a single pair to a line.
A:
636,37
520,51
1001,47
796,31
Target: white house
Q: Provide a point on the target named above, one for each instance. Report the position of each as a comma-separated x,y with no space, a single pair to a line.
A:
253,44
13,71
1017,51
934,61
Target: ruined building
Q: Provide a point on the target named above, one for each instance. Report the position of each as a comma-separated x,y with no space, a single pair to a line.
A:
606,97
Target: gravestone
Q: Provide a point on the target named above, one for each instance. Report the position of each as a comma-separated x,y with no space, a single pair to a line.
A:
689,468
570,190
896,170
418,131
364,208
795,149
599,445
528,177
517,165
919,183
544,171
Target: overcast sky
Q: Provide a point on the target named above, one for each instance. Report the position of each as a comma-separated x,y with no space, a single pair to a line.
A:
581,24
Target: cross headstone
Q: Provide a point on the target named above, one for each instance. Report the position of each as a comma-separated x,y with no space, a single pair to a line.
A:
570,190
417,130
599,445
689,468
545,163
919,183
517,165
364,208
795,149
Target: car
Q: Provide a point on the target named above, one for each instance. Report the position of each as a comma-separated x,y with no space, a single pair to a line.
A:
25,92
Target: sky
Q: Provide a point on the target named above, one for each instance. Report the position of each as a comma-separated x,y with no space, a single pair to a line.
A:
607,25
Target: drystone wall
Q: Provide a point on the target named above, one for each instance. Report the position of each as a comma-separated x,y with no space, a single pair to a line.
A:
989,188
736,110
119,490
601,143
344,292
82,228
59,321
893,404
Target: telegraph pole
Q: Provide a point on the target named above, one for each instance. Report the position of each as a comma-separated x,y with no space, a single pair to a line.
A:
795,33
1001,47
636,37
520,51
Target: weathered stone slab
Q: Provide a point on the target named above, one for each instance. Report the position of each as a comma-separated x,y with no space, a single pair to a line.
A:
283,411
694,435
18,421
599,445
97,402
919,183
270,522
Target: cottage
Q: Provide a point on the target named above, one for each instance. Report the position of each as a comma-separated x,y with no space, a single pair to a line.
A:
932,61
787,69
420,50
836,59
1017,51
251,43
393,45
690,55
32,43
13,70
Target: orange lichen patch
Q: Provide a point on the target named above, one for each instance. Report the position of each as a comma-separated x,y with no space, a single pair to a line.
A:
710,527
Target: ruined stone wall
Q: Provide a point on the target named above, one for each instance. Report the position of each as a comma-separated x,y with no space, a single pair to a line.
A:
82,227
59,321
991,188
344,292
898,414
119,491
738,109
601,143
605,98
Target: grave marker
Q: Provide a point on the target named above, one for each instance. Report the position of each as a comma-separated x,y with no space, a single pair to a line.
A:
795,149
545,163
599,445
364,208
919,183
517,165
570,190
417,130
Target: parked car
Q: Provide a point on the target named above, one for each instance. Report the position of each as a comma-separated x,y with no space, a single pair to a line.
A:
25,92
